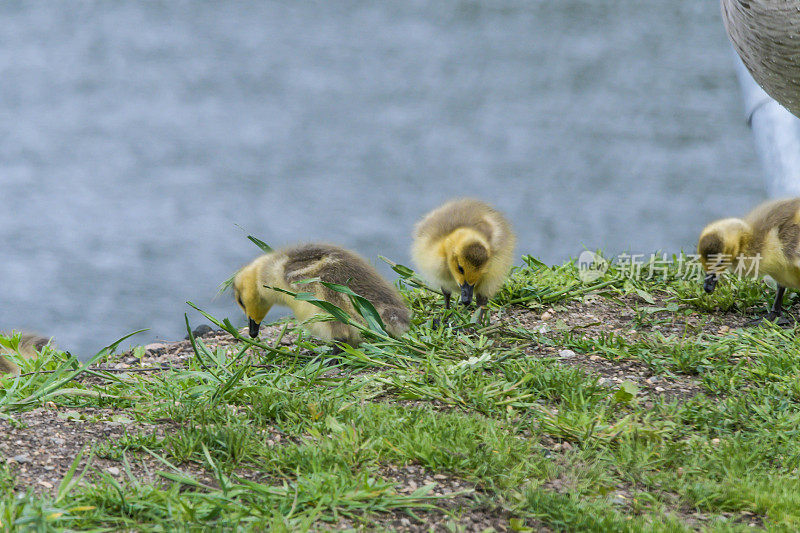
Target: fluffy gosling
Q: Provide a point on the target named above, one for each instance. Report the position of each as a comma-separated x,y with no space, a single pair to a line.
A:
29,347
767,239
464,245
284,268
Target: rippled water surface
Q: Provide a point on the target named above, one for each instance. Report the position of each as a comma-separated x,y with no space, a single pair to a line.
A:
135,137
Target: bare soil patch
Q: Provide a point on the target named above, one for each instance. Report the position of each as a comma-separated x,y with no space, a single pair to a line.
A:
627,316
599,316
41,445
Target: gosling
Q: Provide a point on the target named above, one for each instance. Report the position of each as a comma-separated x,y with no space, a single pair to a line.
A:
284,268
766,241
464,245
29,347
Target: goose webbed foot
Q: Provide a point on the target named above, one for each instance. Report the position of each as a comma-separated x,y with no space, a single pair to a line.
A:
778,318
776,314
444,322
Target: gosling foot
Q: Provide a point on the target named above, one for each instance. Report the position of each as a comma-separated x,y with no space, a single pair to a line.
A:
443,322
779,318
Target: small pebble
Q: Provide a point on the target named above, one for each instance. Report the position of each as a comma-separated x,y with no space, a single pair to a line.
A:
724,329
21,458
566,353
46,484
547,315
152,347
113,470
200,330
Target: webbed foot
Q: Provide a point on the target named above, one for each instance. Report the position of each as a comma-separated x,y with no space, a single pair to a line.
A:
778,318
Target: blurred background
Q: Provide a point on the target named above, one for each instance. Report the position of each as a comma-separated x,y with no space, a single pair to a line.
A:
141,141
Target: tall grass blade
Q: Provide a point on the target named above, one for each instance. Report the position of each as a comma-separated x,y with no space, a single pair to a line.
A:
266,248
226,325
197,347
337,312
409,276
69,480
363,306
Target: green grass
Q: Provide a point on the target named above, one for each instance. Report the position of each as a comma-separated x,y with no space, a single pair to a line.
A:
299,440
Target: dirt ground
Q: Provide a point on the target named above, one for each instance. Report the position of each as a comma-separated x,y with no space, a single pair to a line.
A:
41,444
597,316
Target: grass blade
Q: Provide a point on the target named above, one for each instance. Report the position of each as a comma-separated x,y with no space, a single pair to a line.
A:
69,480
266,248
363,306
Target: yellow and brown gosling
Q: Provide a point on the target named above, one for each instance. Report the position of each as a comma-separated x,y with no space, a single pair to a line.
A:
766,241
464,245
29,347
286,267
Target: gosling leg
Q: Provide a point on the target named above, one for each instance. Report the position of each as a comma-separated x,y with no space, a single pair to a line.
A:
777,305
481,301
775,313
337,349
447,295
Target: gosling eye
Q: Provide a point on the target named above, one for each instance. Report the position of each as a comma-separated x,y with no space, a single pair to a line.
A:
460,269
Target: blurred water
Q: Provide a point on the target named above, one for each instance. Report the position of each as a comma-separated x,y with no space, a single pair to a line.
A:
135,136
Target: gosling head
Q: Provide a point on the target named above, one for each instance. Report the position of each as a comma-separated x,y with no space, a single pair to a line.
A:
720,244
248,295
467,260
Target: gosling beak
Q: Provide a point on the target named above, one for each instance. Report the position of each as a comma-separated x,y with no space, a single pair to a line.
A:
254,328
466,293
710,283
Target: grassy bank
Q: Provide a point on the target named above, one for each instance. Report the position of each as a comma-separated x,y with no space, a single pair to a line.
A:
618,404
